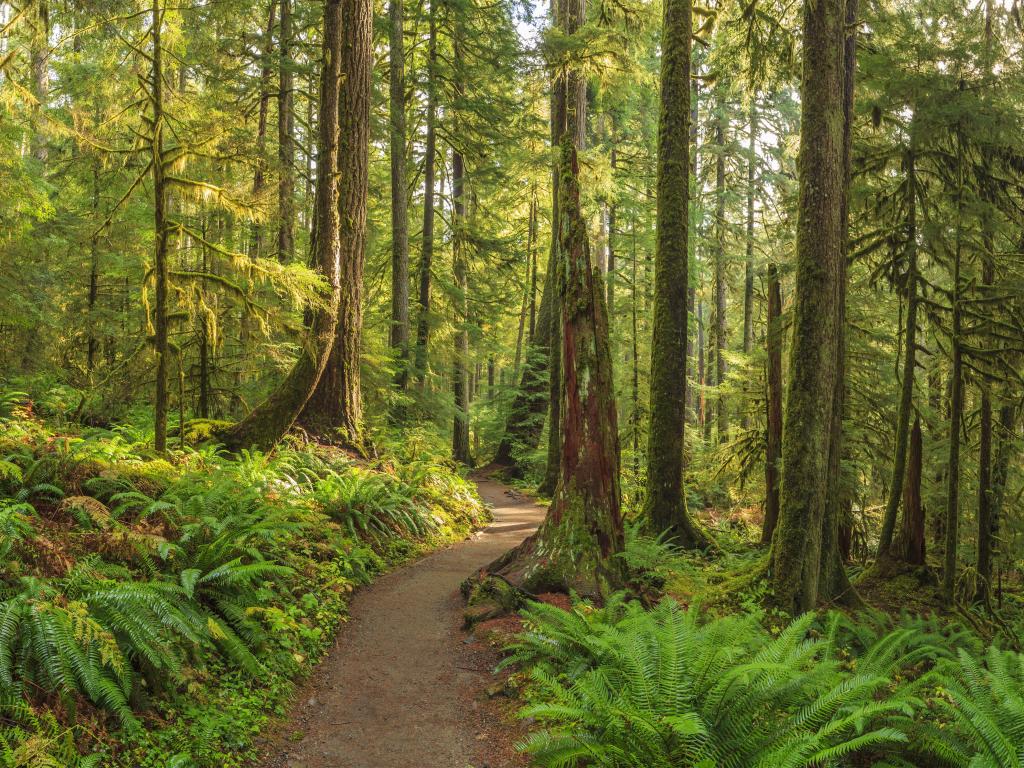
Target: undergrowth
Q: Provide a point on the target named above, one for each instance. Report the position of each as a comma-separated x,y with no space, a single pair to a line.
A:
155,611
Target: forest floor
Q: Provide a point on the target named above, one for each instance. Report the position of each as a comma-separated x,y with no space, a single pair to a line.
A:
404,685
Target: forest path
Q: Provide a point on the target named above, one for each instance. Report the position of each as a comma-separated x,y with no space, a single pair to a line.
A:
401,687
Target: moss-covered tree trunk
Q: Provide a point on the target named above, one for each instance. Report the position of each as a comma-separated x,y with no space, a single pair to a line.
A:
269,421
460,371
258,176
576,546
908,545
429,161
399,337
909,365
285,138
161,268
773,454
665,502
721,286
807,428
335,408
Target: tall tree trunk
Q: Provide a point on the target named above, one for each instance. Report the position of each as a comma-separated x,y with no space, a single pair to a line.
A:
258,180
909,365
161,271
773,456
577,544
807,426
460,374
429,161
956,405
721,327
286,139
399,193
531,287
635,414
535,213
39,66
611,277
336,404
268,422
665,501
908,545
695,382
702,410
748,278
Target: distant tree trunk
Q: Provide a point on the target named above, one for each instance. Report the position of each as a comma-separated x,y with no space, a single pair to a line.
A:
39,66
956,406
701,372
258,180
721,327
429,160
909,365
161,270
527,308
807,427
399,194
533,268
577,544
92,343
460,375
748,279
269,421
610,278
286,139
909,546
773,456
665,501
336,405
694,382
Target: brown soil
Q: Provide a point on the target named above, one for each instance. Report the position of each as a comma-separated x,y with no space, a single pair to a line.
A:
404,686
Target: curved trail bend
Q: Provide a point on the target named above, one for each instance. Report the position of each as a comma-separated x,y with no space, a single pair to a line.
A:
400,689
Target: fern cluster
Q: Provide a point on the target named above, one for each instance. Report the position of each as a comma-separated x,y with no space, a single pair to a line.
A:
621,686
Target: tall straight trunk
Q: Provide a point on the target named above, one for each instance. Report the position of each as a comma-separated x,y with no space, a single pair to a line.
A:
635,415
807,427
92,343
205,393
336,405
908,545
577,544
527,304
534,214
695,380
429,161
161,270
665,501
269,421
834,583
773,455
258,179
460,374
721,328
399,193
702,412
956,400
610,278
709,375
909,365
39,66
748,278
286,139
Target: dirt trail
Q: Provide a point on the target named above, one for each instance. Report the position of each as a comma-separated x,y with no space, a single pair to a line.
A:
401,688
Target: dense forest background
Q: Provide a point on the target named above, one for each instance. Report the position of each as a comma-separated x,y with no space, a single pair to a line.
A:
738,285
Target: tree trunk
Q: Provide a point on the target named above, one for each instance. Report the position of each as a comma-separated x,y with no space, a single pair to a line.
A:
39,65
429,160
807,427
748,278
909,546
269,421
773,456
286,139
336,405
161,268
721,328
577,544
694,383
665,501
460,375
909,365
256,241
399,194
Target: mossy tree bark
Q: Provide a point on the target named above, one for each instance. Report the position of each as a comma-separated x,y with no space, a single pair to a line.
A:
286,138
576,546
807,428
909,364
258,177
399,337
336,408
460,372
721,326
908,545
269,421
773,454
161,268
665,502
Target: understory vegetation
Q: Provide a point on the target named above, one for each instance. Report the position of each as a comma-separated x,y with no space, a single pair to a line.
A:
155,611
